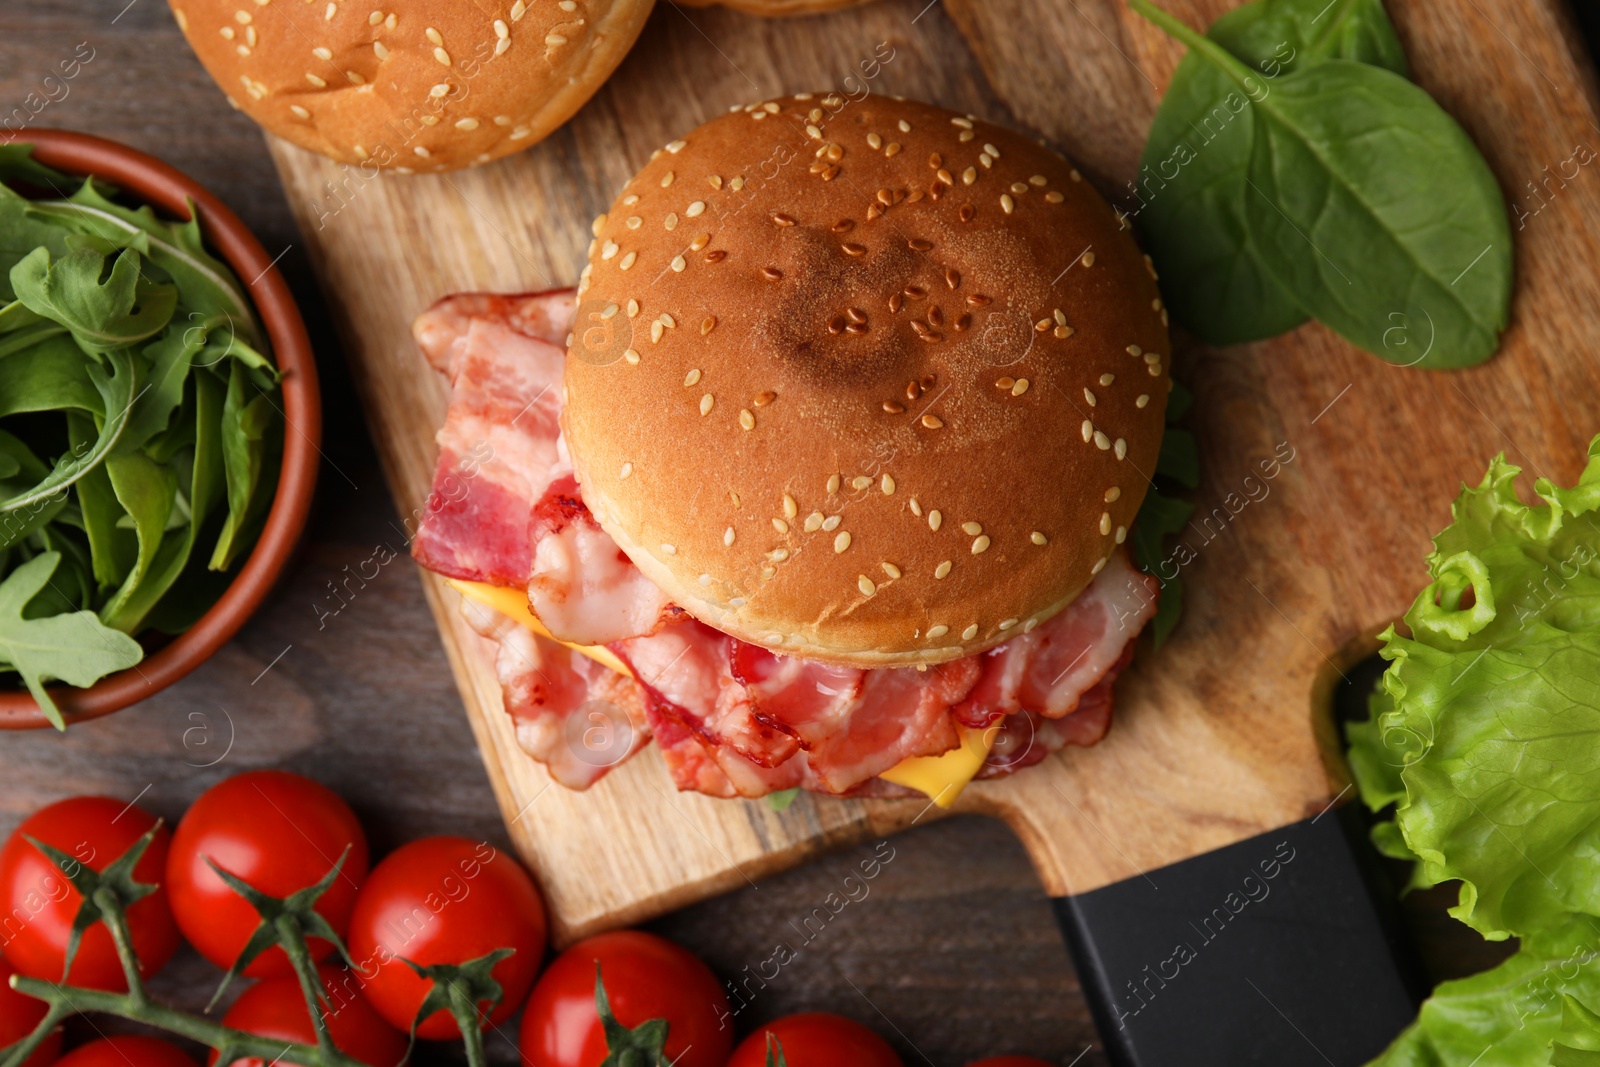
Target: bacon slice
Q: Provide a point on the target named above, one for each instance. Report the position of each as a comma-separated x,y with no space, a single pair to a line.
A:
498,446
575,716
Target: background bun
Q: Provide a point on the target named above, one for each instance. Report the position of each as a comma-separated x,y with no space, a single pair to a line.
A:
417,87
779,7
865,381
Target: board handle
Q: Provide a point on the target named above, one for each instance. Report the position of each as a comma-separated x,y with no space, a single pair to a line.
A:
1281,949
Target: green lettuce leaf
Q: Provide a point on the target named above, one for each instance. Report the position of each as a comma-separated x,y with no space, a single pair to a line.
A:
1162,514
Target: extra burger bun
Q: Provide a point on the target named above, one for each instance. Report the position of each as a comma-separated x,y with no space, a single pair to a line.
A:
773,8
418,88
867,382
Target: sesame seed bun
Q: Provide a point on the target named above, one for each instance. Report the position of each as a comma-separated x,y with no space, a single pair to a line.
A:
867,382
778,8
404,90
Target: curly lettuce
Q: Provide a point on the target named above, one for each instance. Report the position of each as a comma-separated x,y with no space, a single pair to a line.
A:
1485,739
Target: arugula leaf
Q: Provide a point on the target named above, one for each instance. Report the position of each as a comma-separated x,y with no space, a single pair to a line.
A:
112,550
18,165
244,426
74,648
123,308
116,397
170,357
146,490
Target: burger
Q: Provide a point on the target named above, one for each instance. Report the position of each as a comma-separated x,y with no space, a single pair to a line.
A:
823,475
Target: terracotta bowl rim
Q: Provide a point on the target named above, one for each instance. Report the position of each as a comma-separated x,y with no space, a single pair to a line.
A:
169,191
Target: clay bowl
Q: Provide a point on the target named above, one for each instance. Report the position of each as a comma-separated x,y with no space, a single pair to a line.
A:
146,180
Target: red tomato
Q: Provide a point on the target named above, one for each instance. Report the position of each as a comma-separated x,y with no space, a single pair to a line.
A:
646,977
276,1008
817,1040
127,1050
278,832
1011,1061
19,1014
445,900
39,904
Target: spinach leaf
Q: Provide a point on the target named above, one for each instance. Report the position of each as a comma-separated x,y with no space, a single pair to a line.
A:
1367,206
1351,215
72,647
1278,36
123,308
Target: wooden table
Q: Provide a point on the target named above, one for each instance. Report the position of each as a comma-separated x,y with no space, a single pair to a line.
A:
953,956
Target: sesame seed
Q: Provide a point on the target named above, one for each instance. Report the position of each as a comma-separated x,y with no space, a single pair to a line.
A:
841,541
1006,624
628,260
1088,259
466,124
633,222
747,420
631,356
972,529
1074,175
706,403
813,133
1088,396
442,56
763,399
938,631
935,520
699,242
790,508
671,221
874,142
851,248
772,274
859,482
980,545
781,219
666,179
831,523
692,378
299,112
433,35
656,330
965,124
833,483
1107,379
1121,448
916,508
316,81
932,422
969,175
1101,440
1020,388
983,158
1042,326
705,579
1135,350
670,550
1144,398
1098,566
716,255
633,308
1038,538
887,485
609,249
627,469
970,632
708,324
813,522
1105,522
767,572
423,152
966,135
1038,179
778,554
678,264
781,526
694,209
630,199
1054,197
501,30
715,181
1122,534
952,278
1005,382
942,569
1155,370
380,50
609,311
1152,357
322,53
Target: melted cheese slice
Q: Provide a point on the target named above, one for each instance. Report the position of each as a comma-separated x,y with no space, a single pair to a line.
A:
941,778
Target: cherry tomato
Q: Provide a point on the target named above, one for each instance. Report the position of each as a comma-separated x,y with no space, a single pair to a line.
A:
1011,1061
278,832
19,1014
276,1008
646,977
39,903
445,900
127,1050
817,1039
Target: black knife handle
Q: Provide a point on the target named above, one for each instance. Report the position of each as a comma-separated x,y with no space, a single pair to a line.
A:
1282,949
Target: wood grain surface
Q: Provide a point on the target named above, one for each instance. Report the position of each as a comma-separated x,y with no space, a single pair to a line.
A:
1325,469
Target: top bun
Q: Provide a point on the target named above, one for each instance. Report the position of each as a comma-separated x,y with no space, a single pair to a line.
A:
867,382
410,89
776,8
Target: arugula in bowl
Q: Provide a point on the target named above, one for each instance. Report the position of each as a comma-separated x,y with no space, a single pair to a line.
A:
140,427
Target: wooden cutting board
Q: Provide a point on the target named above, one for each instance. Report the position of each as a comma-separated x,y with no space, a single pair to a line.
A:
1225,732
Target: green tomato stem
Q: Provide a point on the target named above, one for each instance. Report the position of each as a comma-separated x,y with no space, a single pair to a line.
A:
117,922
293,940
465,1013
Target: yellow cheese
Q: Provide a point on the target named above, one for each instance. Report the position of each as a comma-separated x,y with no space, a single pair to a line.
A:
941,777
513,604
